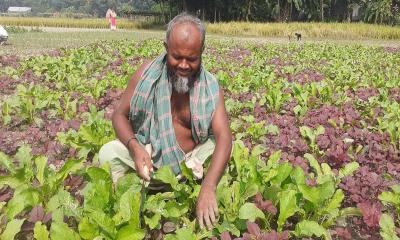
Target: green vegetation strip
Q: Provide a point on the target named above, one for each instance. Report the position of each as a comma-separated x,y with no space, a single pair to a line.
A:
67,22
308,30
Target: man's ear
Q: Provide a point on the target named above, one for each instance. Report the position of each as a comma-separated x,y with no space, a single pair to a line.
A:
166,46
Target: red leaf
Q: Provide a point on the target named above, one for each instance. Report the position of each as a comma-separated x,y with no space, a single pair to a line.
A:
343,233
253,228
270,236
371,213
284,235
225,236
36,214
47,218
266,205
6,194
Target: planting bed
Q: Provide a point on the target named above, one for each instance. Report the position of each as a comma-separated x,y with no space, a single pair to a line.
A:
316,127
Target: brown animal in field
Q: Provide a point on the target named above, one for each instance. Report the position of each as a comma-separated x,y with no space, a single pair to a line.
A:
297,35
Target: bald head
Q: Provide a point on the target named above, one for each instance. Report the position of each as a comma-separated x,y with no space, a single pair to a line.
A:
186,27
185,34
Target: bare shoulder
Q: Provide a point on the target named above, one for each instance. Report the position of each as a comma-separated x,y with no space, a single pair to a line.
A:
139,72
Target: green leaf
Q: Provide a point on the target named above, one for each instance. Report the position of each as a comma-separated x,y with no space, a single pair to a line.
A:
335,201
326,170
249,211
23,197
154,221
284,171
274,159
126,182
40,231
130,232
129,207
230,227
61,231
166,175
390,197
185,234
63,204
306,132
258,150
70,166
307,228
88,230
97,193
40,163
350,211
250,190
396,188
320,130
298,175
174,209
6,162
12,228
268,175
272,129
240,155
98,174
348,169
156,203
187,172
388,229
287,206
24,156
314,164
319,193
13,182
104,221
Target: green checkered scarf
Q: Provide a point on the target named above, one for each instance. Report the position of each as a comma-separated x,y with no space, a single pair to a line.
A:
150,112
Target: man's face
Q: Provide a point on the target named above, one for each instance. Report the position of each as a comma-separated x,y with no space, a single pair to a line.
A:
184,51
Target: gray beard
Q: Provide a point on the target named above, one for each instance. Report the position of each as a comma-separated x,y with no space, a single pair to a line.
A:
181,85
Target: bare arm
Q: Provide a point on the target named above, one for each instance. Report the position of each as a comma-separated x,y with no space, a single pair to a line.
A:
123,128
223,146
207,208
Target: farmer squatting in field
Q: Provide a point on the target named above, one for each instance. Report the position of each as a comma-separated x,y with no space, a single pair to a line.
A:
173,110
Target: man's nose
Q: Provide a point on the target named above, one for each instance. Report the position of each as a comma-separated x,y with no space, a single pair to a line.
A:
183,65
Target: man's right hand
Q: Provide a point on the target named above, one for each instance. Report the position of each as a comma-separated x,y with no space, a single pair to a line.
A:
123,127
143,162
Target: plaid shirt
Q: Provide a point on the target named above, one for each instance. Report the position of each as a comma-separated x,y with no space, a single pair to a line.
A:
151,118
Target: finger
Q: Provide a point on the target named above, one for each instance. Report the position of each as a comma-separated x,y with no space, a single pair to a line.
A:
146,172
212,215
207,220
200,219
215,208
148,163
139,169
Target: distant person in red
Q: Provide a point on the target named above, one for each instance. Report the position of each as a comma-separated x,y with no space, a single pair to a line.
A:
111,16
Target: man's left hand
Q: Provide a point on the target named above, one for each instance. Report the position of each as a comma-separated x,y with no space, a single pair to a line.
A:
207,208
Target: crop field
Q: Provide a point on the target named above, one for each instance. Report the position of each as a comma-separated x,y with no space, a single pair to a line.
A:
316,152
